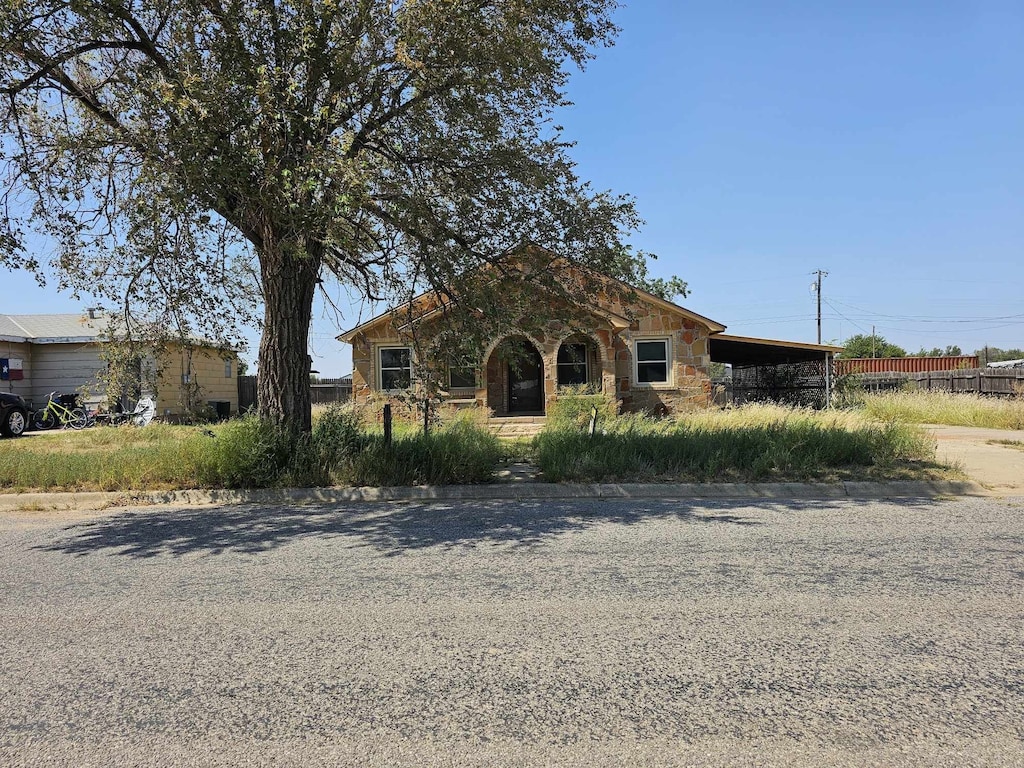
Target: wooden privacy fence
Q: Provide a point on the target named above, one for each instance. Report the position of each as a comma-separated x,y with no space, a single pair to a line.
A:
984,381
324,391
330,391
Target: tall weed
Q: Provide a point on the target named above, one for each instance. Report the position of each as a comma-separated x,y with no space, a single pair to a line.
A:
954,408
757,442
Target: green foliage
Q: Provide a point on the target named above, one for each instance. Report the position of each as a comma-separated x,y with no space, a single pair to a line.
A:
666,289
248,452
862,345
997,355
951,350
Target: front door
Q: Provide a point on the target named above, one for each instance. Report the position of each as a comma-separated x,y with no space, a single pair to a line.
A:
526,383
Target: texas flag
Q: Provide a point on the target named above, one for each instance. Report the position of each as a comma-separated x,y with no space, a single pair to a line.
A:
11,369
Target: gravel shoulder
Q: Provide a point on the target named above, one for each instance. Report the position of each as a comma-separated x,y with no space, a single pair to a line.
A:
593,632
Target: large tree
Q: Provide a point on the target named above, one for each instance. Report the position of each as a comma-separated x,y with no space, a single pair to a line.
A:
171,148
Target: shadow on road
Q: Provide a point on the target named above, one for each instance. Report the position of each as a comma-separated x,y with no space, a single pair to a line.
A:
390,528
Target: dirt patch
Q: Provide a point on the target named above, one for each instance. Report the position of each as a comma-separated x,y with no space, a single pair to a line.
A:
992,457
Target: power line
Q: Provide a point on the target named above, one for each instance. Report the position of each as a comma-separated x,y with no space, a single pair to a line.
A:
847,319
930,318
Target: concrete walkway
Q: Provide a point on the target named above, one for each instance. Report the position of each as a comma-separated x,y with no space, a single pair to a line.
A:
999,468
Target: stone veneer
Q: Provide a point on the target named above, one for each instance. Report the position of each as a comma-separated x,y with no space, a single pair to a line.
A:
611,355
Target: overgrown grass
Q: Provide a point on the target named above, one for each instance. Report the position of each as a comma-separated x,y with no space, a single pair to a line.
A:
246,453
574,407
956,409
745,444
156,457
753,443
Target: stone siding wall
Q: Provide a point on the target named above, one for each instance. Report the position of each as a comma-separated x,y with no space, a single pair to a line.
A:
610,353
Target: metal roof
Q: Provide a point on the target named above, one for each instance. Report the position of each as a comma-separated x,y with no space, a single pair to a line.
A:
746,350
1007,364
42,329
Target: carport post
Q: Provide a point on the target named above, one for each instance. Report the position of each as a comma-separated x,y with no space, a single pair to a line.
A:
828,379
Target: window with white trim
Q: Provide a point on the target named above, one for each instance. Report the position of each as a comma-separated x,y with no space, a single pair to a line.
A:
651,361
395,367
572,365
227,367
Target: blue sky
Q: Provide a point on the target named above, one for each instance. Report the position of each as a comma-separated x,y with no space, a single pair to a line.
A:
879,141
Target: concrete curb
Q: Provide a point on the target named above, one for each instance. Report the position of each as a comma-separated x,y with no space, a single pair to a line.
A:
507,491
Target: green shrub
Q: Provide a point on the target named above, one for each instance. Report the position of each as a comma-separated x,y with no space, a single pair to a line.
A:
337,437
249,453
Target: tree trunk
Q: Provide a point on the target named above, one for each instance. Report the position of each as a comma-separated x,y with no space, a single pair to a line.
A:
289,282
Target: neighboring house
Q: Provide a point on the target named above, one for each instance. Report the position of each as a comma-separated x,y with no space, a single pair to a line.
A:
63,353
653,355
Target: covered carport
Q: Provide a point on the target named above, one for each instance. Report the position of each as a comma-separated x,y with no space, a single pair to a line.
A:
769,370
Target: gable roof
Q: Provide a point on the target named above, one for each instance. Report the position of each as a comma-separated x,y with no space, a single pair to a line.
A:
51,329
616,320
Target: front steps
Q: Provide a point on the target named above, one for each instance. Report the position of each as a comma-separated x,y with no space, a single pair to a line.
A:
515,427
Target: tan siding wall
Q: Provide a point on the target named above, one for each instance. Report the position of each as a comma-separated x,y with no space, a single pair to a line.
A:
65,368
11,349
207,370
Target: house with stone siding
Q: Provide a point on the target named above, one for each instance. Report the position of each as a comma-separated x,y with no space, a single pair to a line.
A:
652,354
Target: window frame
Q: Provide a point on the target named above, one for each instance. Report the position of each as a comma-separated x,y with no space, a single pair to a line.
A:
228,368
380,367
586,363
667,341
473,375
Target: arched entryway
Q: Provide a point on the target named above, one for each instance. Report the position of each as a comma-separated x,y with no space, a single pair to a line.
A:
526,382
515,378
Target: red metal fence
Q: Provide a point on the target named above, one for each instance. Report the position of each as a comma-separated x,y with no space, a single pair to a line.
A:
850,365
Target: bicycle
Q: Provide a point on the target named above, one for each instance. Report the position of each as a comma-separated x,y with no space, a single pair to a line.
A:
56,412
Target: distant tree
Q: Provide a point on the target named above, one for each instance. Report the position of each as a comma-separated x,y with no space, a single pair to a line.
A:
995,354
951,350
863,345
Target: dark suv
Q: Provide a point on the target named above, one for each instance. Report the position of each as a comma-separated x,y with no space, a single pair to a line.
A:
13,414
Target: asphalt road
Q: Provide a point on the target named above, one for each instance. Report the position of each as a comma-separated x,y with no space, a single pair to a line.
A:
597,633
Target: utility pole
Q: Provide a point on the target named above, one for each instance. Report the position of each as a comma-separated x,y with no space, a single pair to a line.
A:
872,342
817,289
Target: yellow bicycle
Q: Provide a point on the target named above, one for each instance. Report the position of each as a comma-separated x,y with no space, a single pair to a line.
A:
57,413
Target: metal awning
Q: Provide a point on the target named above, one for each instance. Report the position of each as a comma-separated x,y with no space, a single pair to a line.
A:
746,350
